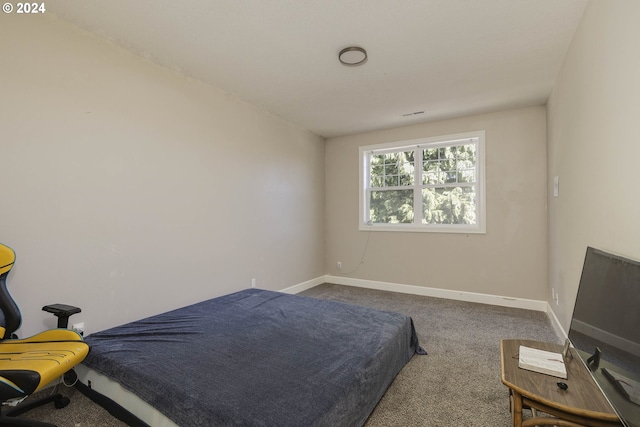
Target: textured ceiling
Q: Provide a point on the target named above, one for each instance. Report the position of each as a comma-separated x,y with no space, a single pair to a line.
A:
448,58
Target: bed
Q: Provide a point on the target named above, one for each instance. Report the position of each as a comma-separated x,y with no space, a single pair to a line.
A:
253,358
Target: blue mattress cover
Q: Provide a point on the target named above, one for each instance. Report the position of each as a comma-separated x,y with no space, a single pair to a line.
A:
259,358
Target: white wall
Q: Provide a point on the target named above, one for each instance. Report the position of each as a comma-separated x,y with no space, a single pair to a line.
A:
593,146
128,189
116,176
509,260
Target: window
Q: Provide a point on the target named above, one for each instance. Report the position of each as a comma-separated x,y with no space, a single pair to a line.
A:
432,184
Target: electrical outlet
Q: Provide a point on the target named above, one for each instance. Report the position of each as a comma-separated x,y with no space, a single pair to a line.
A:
78,327
339,265
253,283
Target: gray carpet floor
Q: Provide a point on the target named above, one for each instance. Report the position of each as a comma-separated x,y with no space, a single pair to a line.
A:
456,384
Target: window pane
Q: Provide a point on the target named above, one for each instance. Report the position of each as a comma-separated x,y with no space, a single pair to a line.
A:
391,158
406,179
391,206
377,159
451,177
376,170
432,166
432,172
391,181
449,165
430,154
376,181
405,163
449,205
433,178
467,175
392,169
466,152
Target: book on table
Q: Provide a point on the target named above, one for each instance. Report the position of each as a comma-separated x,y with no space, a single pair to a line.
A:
542,361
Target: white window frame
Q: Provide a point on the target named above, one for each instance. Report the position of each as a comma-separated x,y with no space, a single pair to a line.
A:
417,226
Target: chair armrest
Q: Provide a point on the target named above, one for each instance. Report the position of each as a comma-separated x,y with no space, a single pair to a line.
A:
62,312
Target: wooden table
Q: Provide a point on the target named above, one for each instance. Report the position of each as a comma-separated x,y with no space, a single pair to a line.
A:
582,404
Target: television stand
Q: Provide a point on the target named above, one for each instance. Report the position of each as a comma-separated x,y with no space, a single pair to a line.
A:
581,404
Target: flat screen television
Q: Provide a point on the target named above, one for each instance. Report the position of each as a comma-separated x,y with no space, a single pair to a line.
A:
605,329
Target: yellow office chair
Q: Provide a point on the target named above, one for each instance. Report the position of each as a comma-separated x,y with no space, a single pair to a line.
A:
30,364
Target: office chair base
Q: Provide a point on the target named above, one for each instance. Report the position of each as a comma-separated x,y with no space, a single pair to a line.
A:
7,417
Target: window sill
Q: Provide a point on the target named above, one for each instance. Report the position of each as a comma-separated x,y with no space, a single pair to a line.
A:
413,228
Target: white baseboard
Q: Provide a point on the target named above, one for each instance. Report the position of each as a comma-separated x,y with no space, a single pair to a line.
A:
557,326
528,304
304,285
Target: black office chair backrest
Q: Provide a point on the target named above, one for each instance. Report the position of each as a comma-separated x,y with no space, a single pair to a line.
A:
10,317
